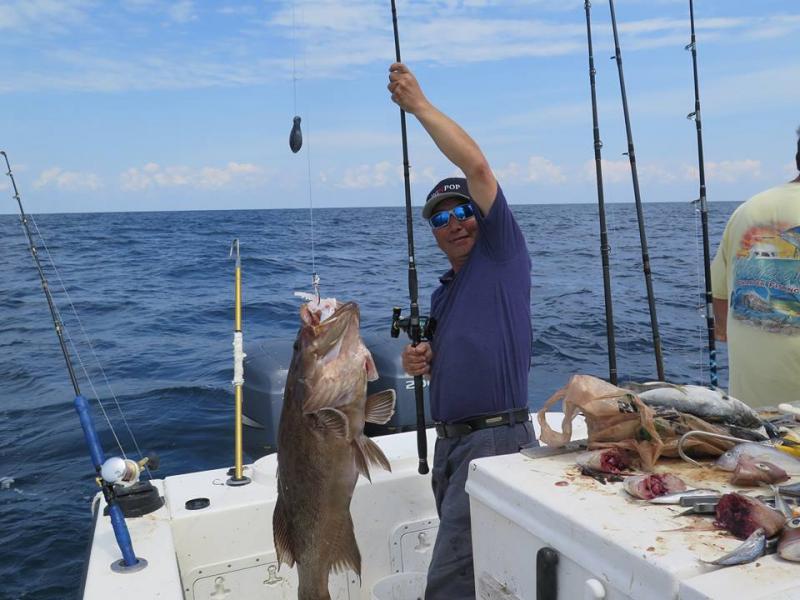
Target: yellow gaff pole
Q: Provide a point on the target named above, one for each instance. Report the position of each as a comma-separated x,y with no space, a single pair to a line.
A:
238,370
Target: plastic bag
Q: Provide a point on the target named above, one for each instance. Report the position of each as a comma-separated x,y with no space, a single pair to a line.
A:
615,418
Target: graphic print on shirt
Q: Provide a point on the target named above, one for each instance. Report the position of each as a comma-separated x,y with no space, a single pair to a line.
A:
766,290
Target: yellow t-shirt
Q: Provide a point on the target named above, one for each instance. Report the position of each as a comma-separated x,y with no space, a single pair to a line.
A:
757,270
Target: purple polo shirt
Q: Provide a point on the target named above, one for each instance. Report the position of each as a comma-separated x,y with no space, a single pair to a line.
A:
482,343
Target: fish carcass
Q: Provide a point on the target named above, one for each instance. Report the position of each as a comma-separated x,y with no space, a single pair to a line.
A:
321,444
760,453
749,550
750,471
742,515
647,487
715,406
789,544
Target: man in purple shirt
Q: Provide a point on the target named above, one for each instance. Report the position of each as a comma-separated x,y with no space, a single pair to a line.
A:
479,357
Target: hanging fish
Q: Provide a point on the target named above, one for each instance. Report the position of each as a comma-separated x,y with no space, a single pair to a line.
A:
296,136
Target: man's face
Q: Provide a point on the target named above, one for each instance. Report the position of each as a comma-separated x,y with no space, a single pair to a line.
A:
457,238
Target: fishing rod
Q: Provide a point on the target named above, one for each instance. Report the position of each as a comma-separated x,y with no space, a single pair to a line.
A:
238,478
601,208
651,302
712,346
107,471
413,324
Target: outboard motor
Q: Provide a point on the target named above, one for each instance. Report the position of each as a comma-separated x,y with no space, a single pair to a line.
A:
267,364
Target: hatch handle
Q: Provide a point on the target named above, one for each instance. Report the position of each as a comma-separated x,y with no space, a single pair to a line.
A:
546,575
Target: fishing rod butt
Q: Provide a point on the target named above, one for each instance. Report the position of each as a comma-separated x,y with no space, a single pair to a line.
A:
423,467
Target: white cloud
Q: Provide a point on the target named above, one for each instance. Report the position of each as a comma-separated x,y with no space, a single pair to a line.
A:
333,37
68,181
182,12
381,174
790,169
728,171
619,171
371,176
538,170
43,16
153,175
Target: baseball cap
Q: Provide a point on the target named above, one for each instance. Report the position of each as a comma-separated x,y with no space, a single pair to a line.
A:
452,187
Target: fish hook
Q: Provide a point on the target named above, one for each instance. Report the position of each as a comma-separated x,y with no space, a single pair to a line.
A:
315,285
697,433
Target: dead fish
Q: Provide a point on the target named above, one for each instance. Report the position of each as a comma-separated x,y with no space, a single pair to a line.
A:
759,452
749,550
780,504
675,498
742,515
609,460
321,444
713,405
652,485
789,544
790,490
750,471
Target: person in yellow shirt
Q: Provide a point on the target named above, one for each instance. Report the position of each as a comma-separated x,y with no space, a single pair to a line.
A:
755,280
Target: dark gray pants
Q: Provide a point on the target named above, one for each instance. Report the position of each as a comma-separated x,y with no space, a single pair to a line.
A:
451,575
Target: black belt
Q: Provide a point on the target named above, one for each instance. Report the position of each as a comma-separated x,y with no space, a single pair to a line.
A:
451,430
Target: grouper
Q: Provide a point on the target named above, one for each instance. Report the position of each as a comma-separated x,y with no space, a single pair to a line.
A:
321,444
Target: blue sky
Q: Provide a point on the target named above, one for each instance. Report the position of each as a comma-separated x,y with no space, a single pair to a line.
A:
155,105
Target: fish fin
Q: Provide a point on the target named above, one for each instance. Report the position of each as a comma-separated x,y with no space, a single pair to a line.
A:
345,548
372,370
334,421
371,452
281,534
361,461
380,407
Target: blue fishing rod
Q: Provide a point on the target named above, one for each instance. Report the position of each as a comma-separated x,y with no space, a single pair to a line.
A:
413,325
651,301
129,561
712,345
601,208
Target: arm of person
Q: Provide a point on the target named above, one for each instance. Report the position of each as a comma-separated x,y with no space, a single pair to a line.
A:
451,139
721,319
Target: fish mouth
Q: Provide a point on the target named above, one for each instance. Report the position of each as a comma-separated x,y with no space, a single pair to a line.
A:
336,330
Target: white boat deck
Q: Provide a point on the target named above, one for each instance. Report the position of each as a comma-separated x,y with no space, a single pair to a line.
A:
609,545
226,550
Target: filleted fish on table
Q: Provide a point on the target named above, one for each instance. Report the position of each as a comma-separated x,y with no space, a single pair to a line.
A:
321,444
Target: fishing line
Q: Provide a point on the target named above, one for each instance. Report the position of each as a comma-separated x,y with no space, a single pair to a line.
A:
296,143
88,341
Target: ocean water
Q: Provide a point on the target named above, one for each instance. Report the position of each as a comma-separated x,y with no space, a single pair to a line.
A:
153,291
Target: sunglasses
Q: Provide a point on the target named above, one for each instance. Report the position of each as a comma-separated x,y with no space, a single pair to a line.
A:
462,212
